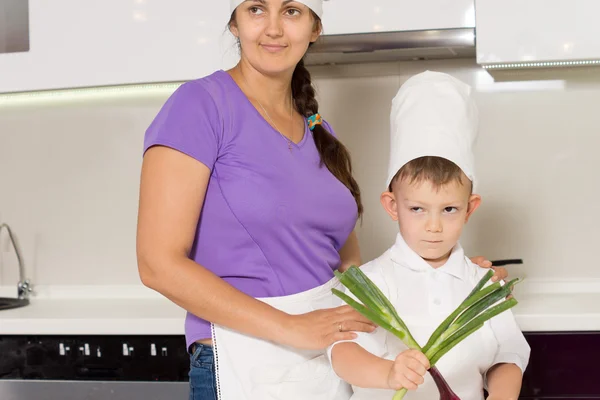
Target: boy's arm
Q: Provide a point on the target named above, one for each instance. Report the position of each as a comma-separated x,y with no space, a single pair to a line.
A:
360,368
504,382
504,378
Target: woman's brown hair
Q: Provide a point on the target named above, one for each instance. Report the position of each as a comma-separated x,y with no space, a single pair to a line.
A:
333,153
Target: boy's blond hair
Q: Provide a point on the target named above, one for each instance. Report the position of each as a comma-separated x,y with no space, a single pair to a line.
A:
437,170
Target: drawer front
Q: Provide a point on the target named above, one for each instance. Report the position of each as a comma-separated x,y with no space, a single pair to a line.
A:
563,365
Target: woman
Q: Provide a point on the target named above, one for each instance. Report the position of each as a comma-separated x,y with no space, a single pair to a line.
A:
246,193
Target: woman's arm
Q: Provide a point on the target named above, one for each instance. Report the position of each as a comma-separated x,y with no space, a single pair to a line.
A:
173,187
172,191
350,253
504,382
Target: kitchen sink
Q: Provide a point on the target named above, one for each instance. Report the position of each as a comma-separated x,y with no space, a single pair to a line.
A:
24,286
6,303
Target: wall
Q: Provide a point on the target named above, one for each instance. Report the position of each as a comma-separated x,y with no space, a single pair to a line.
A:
69,173
536,161
70,176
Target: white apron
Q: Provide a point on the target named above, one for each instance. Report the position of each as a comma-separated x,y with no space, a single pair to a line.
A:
248,368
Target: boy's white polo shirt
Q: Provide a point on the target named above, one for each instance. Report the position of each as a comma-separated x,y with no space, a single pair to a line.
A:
424,297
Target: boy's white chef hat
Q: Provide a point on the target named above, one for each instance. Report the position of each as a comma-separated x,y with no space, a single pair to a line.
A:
433,114
315,5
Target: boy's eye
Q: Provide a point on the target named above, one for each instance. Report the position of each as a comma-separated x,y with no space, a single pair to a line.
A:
450,210
416,209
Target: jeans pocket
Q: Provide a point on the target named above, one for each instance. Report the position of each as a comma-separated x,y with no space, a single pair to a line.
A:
202,376
202,357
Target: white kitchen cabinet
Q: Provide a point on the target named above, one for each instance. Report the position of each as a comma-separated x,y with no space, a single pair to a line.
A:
360,16
537,33
83,43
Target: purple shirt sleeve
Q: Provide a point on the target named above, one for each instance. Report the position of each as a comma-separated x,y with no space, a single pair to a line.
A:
189,122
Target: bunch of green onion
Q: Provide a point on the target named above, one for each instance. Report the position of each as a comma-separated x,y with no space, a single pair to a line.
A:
482,304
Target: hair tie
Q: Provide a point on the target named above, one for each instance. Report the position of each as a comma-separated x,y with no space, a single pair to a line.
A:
314,120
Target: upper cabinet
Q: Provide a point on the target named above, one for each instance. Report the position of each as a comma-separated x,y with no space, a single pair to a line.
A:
74,43
537,33
360,16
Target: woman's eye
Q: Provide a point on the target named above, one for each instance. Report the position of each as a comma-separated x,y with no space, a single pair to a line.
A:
255,10
292,12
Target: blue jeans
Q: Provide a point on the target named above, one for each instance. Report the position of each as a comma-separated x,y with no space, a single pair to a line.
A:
203,385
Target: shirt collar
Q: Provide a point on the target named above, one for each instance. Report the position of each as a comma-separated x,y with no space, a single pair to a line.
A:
405,257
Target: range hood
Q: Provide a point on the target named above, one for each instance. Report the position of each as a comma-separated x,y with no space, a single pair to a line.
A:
392,46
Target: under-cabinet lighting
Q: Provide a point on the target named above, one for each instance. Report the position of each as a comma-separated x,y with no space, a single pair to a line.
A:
88,93
543,64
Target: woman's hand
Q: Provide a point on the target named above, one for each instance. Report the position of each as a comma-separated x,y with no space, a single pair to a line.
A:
499,272
319,329
408,370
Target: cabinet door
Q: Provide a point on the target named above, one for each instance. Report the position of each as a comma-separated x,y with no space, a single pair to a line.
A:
563,365
535,31
74,43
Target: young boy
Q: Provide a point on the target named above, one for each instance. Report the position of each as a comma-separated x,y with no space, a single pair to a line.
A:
426,274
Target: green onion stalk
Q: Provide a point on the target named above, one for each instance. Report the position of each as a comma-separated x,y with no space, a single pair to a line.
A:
483,303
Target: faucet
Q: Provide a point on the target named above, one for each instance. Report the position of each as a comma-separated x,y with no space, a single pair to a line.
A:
24,286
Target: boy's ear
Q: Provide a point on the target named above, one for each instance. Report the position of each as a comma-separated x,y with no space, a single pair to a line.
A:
388,201
474,203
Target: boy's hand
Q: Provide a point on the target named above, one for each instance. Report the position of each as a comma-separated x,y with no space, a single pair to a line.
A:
408,370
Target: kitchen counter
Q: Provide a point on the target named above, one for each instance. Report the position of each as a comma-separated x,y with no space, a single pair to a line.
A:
544,305
97,310
553,305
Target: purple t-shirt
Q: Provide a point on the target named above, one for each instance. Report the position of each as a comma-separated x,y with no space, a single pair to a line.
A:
273,221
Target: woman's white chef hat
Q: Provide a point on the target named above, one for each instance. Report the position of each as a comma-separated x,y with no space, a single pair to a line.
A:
433,114
315,5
